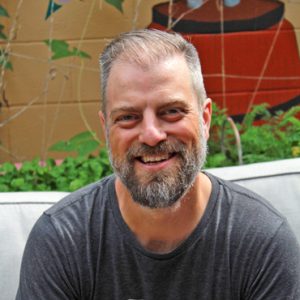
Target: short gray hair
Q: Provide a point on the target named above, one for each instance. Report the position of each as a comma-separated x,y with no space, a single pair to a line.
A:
146,47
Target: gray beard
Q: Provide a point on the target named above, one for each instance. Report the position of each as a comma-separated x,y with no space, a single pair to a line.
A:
164,188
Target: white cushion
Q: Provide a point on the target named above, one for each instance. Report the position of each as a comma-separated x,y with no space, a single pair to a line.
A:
277,181
18,213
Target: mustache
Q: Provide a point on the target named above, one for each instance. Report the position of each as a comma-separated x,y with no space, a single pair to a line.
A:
163,147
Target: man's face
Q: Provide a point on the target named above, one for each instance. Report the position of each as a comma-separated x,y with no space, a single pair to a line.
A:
155,132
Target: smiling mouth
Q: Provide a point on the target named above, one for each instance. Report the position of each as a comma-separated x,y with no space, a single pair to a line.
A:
154,159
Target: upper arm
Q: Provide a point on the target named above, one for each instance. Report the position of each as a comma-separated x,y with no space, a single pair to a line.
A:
45,271
277,269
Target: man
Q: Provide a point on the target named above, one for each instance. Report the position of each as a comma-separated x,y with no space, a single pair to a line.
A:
159,228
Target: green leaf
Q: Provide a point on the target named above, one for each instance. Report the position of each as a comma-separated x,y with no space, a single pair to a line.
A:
82,137
257,111
61,146
96,167
216,160
2,35
76,184
4,188
3,12
58,48
61,49
87,147
50,162
83,143
82,54
289,115
28,167
116,3
62,184
52,7
4,61
41,186
18,183
8,66
8,168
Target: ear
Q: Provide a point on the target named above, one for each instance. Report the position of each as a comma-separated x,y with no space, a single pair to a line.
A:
103,123
206,114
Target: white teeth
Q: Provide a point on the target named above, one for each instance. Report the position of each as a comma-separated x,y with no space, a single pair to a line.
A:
149,159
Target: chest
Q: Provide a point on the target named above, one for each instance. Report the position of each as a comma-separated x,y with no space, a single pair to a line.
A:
193,274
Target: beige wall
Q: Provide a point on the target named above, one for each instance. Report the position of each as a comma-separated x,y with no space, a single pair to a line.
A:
53,100
61,97
292,13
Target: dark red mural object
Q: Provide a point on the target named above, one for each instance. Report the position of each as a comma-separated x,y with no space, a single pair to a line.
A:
249,52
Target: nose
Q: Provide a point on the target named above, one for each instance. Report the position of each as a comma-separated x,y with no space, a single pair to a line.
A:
151,131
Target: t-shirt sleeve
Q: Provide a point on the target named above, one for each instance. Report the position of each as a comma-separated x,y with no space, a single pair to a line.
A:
277,270
45,271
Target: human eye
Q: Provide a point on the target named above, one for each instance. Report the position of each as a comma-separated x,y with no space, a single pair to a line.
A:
172,114
126,120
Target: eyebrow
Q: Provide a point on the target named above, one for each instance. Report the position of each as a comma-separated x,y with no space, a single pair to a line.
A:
175,103
135,110
122,109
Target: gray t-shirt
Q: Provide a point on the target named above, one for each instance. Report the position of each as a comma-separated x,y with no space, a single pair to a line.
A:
81,248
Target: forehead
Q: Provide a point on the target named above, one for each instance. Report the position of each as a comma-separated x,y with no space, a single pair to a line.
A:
128,72
147,62
168,80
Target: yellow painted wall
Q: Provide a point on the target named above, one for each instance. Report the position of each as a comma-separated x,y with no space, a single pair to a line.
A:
292,13
60,98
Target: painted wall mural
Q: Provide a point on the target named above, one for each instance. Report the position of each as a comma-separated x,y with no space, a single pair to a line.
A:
248,49
49,81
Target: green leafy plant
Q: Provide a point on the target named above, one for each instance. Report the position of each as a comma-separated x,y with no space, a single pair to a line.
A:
3,13
53,6
118,4
4,59
83,144
263,137
61,49
69,175
2,35
277,137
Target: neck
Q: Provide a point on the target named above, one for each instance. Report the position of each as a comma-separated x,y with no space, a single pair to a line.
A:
162,230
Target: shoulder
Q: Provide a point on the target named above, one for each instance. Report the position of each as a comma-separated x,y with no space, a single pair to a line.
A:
63,240
84,198
245,203
262,243
249,218
81,210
